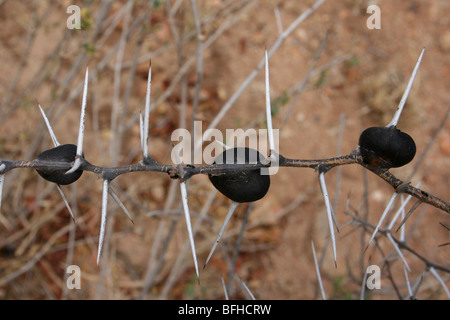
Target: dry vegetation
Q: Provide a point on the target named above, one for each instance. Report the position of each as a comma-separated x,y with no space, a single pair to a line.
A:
359,79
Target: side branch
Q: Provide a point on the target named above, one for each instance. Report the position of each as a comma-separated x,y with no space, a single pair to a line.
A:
405,187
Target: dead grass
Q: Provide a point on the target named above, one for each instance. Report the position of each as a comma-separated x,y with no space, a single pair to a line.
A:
275,258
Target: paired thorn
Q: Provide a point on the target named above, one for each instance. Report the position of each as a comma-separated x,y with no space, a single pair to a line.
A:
103,219
108,190
49,127
231,209
397,114
187,216
269,110
323,188
79,154
144,123
56,144
141,130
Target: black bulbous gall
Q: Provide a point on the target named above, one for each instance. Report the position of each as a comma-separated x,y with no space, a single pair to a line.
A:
65,153
386,147
243,186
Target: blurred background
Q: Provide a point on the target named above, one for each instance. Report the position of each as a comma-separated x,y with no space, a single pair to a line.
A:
356,82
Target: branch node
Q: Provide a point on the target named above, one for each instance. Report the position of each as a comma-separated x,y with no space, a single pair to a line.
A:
402,187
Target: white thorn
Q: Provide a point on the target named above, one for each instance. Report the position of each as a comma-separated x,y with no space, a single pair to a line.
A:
188,223
77,162
386,210
187,216
103,220
76,165
408,283
402,227
397,114
231,209
322,291
323,187
247,290
224,288
83,115
141,130
434,273
56,144
397,249
269,110
147,113
399,212
49,127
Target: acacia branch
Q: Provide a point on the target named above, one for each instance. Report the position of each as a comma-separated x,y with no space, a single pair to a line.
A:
151,165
